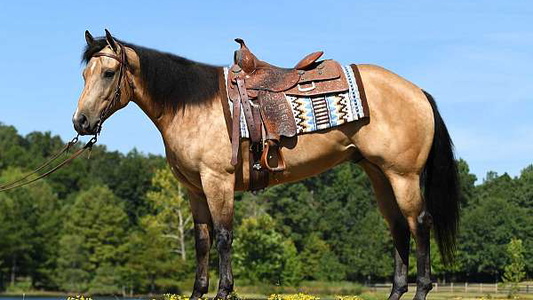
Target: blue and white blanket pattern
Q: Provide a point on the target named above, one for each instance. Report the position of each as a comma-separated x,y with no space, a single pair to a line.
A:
321,112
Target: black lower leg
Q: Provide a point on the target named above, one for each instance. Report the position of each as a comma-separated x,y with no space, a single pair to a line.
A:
401,238
203,244
423,263
224,240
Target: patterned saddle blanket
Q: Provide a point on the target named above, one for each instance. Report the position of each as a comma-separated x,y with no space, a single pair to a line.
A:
314,113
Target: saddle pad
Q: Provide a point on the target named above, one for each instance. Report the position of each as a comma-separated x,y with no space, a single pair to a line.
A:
325,111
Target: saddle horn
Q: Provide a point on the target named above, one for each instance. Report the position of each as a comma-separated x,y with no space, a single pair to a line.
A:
244,57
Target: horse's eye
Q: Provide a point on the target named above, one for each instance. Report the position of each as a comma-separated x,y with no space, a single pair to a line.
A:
109,74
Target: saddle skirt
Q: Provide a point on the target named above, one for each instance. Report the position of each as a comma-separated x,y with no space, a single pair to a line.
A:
314,112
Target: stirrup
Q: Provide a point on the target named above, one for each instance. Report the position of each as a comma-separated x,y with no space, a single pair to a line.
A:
264,157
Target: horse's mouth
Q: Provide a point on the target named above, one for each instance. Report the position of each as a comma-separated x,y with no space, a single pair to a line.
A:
87,128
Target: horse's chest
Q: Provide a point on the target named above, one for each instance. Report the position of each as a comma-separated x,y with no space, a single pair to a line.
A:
182,164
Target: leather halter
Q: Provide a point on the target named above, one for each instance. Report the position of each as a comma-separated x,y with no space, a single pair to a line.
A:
123,61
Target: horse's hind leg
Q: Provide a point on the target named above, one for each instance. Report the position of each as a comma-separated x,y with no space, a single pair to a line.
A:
397,225
406,188
202,235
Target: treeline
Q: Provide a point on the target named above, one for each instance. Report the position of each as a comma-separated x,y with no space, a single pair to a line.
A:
119,224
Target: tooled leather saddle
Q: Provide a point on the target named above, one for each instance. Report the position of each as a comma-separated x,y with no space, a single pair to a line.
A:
259,89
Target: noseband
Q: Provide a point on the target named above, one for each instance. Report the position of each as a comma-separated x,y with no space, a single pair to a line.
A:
123,60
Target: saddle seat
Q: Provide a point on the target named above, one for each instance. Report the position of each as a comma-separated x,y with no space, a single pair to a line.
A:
249,62
260,89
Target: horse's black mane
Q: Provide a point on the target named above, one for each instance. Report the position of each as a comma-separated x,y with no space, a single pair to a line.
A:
170,79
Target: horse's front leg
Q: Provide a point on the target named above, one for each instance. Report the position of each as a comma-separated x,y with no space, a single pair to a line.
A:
203,228
219,190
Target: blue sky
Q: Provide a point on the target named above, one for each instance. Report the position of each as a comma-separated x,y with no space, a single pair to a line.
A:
475,57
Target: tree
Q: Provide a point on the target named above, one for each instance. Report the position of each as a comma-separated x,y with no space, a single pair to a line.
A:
261,254
514,271
132,179
157,248
29,229
372,247
466,182
294,209
93,241
319,261
12,148
152,265
486,229
172,210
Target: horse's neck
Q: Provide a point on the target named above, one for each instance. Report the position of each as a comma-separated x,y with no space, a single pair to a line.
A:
187,121
159,116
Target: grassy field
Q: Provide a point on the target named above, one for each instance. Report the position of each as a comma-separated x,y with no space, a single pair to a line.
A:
329,290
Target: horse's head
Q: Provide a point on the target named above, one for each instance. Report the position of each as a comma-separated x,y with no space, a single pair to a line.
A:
107,84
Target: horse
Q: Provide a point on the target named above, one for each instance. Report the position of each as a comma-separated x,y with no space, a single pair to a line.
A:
404,147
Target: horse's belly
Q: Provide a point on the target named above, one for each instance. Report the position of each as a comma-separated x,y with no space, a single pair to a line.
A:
310,154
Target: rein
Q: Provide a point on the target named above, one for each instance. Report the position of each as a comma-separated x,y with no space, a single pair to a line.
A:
23,180
88,146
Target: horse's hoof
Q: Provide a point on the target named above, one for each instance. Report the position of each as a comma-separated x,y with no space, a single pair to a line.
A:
222,295
196,296
395,296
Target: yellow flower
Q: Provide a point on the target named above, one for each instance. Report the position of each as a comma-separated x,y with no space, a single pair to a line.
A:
299,296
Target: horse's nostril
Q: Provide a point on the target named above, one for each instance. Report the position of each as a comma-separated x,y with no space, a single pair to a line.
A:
83,121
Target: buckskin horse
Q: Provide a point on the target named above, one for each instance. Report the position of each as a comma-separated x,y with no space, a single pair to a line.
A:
403,146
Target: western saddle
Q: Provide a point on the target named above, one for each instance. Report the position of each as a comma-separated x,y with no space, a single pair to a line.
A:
260,89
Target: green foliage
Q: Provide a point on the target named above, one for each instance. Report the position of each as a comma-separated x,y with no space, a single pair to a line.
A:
315,249
151,265
490,222
172,210
370,255
319,261
466,182
261,254
291,273
106,280
120,224
514,271
92,242
29,229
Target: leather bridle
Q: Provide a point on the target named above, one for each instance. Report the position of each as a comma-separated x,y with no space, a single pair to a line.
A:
124,66
47,167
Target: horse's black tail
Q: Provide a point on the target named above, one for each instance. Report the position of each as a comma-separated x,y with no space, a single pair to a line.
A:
441,187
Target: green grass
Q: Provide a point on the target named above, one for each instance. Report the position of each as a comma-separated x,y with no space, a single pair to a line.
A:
309,287
329,290
323,290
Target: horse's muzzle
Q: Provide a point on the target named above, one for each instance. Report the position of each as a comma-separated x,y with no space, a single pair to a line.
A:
83,126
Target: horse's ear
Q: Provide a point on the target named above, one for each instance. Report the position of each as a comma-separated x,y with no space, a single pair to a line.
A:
89,38
110,40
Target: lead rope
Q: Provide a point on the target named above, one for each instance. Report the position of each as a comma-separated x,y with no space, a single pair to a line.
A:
22,181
